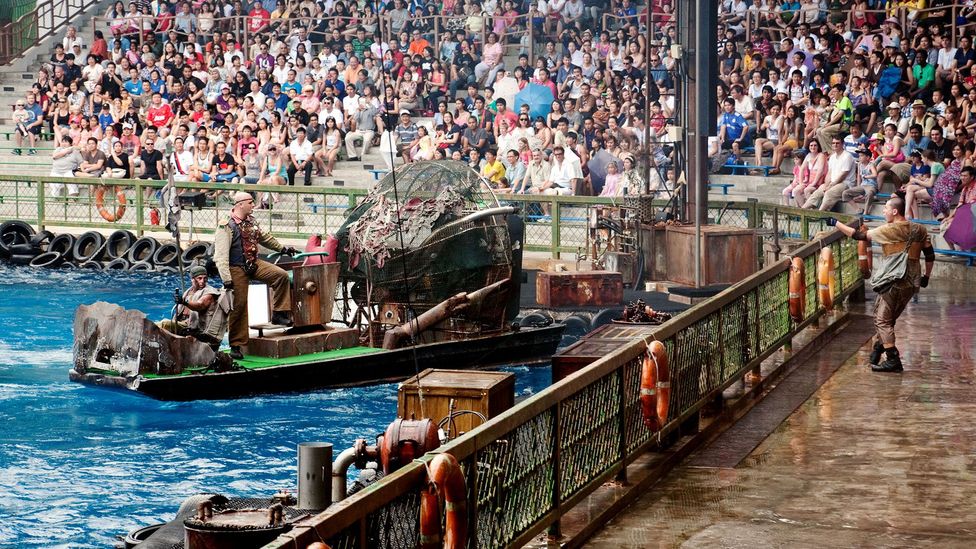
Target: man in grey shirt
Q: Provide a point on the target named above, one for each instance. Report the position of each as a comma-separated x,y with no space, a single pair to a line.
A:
362,126
65,160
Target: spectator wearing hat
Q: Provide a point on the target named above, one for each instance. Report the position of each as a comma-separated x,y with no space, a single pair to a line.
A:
921,117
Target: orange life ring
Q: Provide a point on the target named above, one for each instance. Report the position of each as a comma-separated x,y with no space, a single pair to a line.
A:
798,290
318,545
655,387
100,204
826,278
865,258
445,479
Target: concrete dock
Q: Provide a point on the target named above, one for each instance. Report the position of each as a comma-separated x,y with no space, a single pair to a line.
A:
838,456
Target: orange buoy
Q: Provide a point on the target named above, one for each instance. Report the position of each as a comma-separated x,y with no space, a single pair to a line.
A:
826,278
445,480
100,204
865,259
798,290
318,545
655,387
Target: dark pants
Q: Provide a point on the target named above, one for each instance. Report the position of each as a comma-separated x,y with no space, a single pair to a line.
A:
889,306
273,276
292,170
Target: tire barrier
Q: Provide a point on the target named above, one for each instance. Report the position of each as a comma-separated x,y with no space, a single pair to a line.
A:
142,250
92,250
49,260
166,255
88,245
606,316
576,326
118,244
120,264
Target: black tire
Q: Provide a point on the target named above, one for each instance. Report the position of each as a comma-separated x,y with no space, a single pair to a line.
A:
118,244
197,251
136,537
142,250
606,316
567,340
576,326
42,239
48,260
24,249
87,246
535,319
18,259
165,269
16,232
120,264
90,265
166,255
64,243
141,267
67,265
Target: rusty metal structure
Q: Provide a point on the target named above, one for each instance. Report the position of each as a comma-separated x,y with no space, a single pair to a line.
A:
526,468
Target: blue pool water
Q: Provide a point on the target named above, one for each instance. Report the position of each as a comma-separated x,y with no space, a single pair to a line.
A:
80,465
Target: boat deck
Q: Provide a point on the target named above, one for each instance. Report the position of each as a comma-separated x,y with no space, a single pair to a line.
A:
252,362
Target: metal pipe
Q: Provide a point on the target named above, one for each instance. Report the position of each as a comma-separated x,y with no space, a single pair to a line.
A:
340,470
314,472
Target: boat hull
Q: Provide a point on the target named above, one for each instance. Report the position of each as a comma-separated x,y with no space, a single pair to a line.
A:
526,346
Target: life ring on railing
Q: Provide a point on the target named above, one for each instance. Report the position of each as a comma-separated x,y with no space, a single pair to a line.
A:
103,211
445,479
865,258
826,278
798,289
655,387
318,545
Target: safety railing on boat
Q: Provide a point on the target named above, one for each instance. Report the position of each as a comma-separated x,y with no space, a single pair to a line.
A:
527,467
297,212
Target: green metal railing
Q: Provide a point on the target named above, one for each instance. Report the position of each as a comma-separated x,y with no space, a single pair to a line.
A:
529,466
302,211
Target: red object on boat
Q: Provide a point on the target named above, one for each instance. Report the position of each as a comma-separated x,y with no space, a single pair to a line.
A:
314,244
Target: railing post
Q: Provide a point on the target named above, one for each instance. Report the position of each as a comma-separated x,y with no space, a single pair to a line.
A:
140,204
40,204
622,406
556,215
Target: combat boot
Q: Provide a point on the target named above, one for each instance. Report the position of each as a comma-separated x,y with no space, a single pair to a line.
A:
892,363
876,354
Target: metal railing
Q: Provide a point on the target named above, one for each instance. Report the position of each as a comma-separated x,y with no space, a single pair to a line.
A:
46,19
301,211
529,466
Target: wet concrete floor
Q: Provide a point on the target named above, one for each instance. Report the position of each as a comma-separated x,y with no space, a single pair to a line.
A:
869,460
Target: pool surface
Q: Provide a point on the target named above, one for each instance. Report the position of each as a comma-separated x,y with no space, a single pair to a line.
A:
81,465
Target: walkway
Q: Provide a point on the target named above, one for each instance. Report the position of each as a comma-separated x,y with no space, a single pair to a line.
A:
870,460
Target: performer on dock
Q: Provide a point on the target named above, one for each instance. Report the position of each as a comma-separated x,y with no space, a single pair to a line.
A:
236,256
894,283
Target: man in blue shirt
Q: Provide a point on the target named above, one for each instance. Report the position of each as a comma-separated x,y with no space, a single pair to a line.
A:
134,84
732,127
855,141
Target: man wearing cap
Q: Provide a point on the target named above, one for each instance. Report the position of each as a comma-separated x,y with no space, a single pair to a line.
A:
195,309
236,255
406,132
895,117
921,116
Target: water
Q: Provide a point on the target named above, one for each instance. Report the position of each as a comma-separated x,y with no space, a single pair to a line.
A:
80,465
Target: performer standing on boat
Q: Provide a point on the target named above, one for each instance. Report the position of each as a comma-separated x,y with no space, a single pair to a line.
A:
899,277
196,309
236,256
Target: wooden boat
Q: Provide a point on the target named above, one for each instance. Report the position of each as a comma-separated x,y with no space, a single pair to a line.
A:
424,275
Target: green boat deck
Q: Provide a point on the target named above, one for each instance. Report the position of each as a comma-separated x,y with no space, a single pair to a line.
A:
251,362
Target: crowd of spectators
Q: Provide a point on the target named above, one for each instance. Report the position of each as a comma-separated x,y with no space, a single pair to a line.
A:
275,91
860,93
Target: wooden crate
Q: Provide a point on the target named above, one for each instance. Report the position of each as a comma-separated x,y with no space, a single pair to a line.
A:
586,288
489,393
728,254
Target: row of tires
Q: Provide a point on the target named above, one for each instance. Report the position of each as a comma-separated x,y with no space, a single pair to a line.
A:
577,325
20,244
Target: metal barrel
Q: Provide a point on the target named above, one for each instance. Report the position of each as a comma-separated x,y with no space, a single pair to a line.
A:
314,475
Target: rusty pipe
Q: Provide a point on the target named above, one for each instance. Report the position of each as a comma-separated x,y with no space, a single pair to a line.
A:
340,470
438,313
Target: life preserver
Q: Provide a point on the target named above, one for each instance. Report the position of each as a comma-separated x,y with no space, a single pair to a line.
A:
100,204
445,479
865,258
655,387
826,278
798,290
318,545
